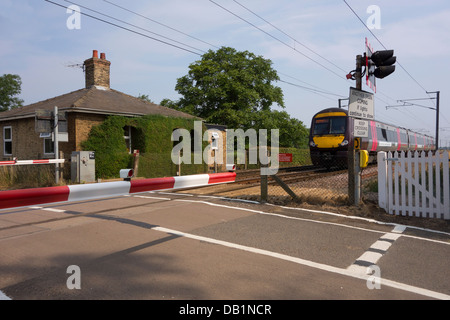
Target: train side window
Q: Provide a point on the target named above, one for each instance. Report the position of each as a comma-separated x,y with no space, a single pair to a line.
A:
404,138
393,136
384,134
380,134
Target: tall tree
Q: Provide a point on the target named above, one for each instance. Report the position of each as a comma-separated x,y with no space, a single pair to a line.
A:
237,89
227,86
10,86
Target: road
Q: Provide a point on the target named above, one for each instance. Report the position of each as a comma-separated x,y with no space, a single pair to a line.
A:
172,246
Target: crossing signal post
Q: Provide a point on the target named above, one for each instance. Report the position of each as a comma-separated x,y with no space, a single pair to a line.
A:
378,64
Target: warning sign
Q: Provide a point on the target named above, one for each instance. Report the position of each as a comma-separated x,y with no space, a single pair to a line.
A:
361,104
285,157
361,128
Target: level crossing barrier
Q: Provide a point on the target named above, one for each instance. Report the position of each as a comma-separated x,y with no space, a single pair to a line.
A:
81,192
16,162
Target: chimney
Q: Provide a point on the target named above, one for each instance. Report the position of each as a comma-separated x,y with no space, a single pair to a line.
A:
97,70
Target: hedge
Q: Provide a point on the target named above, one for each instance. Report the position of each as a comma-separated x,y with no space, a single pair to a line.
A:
151,136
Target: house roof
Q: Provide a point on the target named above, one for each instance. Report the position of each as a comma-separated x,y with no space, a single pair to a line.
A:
98,100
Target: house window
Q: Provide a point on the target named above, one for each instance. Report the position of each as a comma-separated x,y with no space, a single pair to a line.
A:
7,141
127,137
49,146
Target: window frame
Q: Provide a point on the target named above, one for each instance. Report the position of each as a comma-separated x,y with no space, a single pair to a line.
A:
53,147
10,140
127,138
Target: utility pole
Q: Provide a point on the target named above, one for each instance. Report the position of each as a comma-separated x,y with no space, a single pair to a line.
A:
354,178
378,64
55,138
437,117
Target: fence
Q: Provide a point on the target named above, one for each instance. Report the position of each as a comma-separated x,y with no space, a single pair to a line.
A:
414,184
294,184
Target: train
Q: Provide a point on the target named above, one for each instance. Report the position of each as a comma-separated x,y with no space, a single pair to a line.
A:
331,133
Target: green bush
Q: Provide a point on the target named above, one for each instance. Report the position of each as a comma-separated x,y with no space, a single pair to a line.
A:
151,135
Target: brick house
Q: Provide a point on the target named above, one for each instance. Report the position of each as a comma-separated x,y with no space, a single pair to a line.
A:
84,109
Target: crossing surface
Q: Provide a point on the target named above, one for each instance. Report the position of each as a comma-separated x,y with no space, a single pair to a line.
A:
166,245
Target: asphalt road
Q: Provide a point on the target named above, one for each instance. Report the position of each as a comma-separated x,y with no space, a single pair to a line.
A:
166,246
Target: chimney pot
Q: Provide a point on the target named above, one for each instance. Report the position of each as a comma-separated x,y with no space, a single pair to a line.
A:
102,56
95,54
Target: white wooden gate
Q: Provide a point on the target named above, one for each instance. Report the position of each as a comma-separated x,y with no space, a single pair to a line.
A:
414,185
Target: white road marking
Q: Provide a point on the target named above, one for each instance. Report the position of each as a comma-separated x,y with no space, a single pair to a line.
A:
352,271
324,267
4,296
375,252
397,226
48,209
148,197
173,193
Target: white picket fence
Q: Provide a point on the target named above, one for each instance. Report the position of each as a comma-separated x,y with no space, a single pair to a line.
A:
414,184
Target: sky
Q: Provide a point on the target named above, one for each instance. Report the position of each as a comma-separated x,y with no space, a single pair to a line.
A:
312,44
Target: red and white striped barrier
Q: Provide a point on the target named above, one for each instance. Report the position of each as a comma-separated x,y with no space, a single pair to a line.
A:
28,197
23,162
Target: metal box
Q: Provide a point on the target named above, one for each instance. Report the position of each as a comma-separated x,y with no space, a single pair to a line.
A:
83,166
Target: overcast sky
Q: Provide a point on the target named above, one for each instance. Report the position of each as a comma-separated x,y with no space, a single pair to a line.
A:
312,45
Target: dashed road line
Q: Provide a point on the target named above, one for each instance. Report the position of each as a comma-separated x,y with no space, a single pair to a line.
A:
370,258
316,265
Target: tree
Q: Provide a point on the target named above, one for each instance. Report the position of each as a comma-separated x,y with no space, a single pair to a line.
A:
144,97
236,89
228,87
10,86
292,132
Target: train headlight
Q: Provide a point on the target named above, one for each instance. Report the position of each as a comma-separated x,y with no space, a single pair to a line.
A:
312,144
344,143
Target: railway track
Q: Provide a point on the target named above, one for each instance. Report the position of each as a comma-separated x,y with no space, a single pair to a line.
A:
288,175
251,178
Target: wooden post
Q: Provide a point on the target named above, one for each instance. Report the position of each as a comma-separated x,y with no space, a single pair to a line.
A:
135,162
264,186
61,169
285,187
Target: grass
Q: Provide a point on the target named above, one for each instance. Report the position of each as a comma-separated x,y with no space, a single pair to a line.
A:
22,177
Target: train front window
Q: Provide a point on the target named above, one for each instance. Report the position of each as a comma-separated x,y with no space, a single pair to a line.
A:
329,125
321,126
337,125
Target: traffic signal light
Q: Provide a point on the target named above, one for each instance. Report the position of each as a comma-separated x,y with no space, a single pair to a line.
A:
383,61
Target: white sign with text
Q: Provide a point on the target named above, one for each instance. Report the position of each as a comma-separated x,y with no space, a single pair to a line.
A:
361,104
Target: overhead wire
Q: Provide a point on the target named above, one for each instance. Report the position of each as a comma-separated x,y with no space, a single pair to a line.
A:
289,36
161,24
316,91
277,39
384,47
379,41
127,29
320,92
135,26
